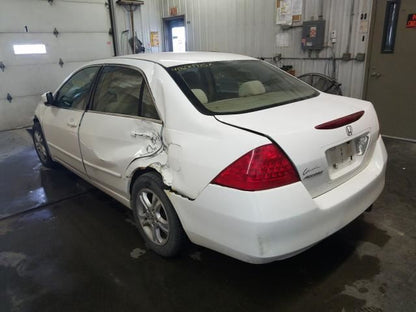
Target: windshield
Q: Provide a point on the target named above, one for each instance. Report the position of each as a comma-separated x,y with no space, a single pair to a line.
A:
232,87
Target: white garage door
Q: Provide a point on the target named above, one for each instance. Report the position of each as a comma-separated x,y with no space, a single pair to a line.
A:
83,35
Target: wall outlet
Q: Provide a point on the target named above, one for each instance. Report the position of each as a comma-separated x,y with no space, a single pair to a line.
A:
333,36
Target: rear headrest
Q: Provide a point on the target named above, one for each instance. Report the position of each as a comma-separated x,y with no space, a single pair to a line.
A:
200,95
253,87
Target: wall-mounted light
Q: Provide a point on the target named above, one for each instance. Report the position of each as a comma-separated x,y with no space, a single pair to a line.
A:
29,49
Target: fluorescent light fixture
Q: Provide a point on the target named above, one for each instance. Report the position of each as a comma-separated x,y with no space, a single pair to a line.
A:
29,49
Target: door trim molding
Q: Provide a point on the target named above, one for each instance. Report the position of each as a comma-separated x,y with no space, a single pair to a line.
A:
102,169
64,152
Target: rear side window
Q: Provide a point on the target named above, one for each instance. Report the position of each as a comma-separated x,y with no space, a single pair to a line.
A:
122,90
230,87
75,92
148,106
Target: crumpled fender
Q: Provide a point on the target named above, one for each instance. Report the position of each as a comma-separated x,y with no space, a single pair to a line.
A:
157,162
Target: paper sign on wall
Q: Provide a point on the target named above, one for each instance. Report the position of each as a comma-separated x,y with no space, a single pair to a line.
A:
282,39
289,12
154,38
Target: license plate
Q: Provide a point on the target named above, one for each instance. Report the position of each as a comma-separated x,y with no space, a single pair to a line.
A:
341,155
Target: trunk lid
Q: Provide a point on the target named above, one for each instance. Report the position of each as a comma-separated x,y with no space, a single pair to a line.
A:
324,158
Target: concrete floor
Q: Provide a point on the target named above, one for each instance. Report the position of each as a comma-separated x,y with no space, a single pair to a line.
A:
65,246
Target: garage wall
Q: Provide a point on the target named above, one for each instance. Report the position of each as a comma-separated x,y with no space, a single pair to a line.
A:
83,28
147,18
239,26
249,27
338,18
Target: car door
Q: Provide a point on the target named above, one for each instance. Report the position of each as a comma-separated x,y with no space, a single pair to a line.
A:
61,120
121,125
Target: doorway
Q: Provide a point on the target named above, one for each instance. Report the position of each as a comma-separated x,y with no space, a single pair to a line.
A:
390,83
174,34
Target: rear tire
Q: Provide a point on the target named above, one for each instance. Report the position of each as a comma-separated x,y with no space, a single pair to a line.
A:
41,146
155,216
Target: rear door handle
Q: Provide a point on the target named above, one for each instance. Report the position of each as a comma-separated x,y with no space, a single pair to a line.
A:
136,133
153,137
71,122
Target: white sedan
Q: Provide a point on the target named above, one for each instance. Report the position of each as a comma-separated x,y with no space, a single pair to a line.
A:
221,149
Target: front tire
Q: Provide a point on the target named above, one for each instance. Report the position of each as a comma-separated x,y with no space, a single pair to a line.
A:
41,147
155,216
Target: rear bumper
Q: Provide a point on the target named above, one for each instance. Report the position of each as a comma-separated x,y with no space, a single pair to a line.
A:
260,227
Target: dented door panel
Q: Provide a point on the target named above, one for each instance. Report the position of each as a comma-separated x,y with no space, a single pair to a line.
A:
110,143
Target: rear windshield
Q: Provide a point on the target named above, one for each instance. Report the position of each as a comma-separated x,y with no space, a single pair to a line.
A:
232,87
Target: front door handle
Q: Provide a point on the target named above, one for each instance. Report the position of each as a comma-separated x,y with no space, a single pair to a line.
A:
71,123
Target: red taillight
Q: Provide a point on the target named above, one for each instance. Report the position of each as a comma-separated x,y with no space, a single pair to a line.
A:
336,123
263,168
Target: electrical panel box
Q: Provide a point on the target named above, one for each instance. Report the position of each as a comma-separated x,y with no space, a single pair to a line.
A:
313,35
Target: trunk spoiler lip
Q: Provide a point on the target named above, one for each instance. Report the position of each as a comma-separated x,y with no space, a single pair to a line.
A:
339,122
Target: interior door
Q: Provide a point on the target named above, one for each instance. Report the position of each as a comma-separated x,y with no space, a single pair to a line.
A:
390,82
121,126
60,122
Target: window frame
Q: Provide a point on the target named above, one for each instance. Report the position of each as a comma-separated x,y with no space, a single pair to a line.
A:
391,19
90,91
90,108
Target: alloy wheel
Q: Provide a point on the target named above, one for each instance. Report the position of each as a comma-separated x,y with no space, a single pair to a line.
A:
40,145
152,216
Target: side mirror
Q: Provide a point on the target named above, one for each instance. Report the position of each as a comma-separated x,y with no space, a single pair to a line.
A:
47,98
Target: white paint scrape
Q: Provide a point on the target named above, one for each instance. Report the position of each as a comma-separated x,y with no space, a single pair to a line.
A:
137,252
10,259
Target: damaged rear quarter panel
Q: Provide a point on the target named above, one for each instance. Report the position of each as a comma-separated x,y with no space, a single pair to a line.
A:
198,147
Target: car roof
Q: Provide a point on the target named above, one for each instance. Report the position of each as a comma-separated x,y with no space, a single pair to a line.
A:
169,59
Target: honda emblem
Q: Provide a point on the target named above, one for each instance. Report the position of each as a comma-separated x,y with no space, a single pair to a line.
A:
349,130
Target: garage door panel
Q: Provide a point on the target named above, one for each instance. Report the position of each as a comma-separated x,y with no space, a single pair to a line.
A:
72,47
89,1
83,27
35,79
64,15
18,113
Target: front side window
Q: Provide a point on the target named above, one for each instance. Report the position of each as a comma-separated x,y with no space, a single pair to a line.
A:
230,87
75,92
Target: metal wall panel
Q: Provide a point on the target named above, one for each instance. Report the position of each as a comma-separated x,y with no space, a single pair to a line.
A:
239,26
147,18
249,27
338,17
83,27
